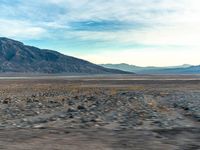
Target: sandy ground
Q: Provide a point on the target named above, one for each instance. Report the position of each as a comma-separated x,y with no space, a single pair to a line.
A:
100,112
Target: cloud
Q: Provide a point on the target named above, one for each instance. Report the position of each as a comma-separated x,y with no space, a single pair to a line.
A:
56,1
20,29
103,25
90,25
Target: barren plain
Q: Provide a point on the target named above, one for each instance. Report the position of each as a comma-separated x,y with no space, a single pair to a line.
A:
100,113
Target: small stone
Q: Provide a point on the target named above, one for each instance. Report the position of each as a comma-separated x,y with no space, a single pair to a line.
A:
71,110
39,126
81,107
52,119
24,119
71,116
62,116
7,100
70,103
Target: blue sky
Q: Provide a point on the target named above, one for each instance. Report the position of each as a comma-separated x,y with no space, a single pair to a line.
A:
139,32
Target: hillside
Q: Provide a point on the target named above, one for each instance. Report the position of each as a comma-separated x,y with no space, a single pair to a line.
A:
20,58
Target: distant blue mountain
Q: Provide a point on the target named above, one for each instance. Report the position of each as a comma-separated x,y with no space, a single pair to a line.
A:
183,69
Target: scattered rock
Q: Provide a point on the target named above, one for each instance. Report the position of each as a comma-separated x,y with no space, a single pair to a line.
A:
7,100
40,126
80,107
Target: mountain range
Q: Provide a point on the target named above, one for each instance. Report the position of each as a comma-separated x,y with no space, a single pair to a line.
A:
16,57
182,69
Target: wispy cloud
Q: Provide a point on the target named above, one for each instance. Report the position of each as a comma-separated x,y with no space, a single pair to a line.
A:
90,25
20,29
104,25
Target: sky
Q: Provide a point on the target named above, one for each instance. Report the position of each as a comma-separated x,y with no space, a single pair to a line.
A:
138,32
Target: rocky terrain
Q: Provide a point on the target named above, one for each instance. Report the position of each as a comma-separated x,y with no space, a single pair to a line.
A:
100,113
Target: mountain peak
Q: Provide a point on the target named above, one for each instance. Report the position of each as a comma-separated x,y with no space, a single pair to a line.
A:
4,40
17,57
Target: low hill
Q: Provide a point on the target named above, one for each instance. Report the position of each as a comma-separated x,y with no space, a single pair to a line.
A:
182,69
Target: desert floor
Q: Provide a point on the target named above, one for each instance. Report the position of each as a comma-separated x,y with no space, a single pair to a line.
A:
100,113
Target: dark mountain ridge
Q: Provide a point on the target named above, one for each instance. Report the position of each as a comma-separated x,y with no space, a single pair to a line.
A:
19,58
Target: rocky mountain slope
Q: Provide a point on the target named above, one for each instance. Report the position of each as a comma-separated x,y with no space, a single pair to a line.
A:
20,58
